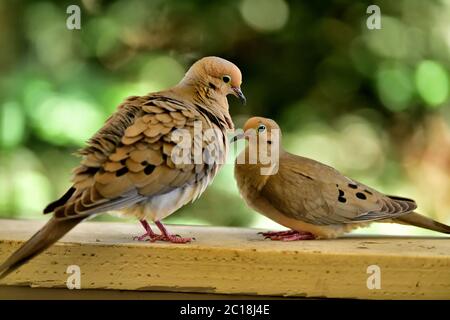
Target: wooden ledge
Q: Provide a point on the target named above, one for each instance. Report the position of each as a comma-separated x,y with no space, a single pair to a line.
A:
234,261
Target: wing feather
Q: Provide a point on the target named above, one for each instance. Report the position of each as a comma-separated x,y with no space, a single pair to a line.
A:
320,195
130,158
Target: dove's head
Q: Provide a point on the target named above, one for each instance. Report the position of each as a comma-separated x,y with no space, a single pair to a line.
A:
263,129
216,75
264,144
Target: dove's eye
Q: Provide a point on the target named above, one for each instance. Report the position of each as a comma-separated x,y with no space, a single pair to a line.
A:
261,128
226,79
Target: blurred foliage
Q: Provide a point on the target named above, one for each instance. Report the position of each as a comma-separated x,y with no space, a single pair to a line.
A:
372,103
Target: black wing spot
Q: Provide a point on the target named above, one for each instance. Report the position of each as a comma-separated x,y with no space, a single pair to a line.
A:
90,170
367,191
149,169
121,172
341,197
212,86
361,196
352,185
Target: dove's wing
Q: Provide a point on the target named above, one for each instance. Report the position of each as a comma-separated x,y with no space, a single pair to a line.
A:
318,194
129,159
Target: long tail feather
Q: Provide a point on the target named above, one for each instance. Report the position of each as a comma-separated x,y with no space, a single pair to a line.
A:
421,221
49,234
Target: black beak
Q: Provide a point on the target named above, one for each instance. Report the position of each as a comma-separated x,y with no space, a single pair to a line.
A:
237,137
238,93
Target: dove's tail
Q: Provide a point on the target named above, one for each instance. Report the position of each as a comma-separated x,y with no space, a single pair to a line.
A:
49,234
421,221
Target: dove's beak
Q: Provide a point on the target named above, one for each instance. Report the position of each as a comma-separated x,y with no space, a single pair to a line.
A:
238,94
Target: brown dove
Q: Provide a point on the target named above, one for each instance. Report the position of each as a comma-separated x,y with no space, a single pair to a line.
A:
129,164
313,200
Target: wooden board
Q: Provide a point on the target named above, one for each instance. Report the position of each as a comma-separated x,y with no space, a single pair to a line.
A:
234,261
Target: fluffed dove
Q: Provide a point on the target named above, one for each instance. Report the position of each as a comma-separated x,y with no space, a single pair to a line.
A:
308,197
128,164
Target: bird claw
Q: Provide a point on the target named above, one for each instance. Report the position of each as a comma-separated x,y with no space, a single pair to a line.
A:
142,237
175,239
165,236
160,237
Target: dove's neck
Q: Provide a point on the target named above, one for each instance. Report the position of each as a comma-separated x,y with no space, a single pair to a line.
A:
203,92
262,153
207,100
258,164
249,175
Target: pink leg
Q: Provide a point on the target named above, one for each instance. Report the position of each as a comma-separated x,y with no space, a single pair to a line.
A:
288,235
166,236
148,232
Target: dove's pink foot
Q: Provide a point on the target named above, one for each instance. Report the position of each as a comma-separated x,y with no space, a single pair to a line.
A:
288,235
149,235
148,232
166,236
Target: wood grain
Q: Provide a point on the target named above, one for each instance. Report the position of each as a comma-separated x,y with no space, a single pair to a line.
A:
234,261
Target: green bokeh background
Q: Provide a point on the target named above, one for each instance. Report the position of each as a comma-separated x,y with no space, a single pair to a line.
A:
372,103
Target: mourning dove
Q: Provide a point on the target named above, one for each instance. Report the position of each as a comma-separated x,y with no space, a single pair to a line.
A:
308,197
129,164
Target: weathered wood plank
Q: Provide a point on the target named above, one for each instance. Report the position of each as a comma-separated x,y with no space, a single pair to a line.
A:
234,261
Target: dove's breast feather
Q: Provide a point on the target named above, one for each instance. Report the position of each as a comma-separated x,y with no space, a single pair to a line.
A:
160,206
